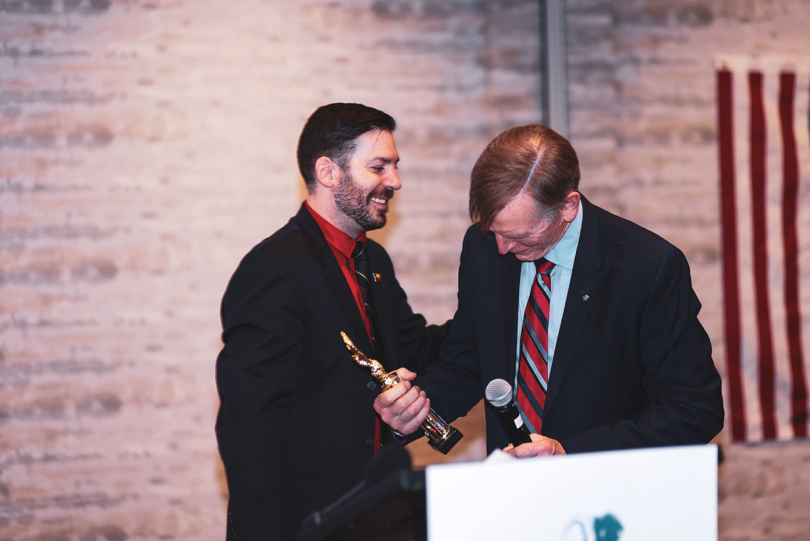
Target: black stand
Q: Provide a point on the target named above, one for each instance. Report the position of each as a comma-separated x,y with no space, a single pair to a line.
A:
391,510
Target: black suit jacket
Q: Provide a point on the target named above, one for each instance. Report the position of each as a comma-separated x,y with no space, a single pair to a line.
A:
632,366
296,420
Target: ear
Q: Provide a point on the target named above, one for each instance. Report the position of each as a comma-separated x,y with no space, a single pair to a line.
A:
571,206
327,172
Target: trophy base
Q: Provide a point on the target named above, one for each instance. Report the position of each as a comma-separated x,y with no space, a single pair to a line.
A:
447,443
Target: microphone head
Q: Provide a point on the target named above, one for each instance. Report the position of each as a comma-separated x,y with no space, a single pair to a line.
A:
498,393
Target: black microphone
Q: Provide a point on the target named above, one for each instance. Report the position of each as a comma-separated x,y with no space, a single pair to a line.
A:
499,396
391,458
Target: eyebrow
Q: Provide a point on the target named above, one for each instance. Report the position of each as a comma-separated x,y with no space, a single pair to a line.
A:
516,235
383,159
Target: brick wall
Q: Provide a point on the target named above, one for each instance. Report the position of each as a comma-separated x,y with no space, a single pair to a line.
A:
146,145
643,120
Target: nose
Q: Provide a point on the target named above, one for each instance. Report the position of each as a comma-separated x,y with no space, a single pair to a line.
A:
392,180
504,244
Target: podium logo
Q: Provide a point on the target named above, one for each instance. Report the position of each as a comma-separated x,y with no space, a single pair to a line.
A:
605,528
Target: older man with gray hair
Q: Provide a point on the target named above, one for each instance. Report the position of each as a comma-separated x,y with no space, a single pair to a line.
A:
591,318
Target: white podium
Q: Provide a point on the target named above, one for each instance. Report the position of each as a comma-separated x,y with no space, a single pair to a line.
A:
667,494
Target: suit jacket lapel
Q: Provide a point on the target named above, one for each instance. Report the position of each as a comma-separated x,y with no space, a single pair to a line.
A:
335,279
582,291
510,292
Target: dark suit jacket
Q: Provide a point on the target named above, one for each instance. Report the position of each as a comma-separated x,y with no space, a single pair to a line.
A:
296,420
632,365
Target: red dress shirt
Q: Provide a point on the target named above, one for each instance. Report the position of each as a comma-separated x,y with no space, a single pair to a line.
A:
342,246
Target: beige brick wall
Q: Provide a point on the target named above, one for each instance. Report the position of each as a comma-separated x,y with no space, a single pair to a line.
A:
146,145
643,119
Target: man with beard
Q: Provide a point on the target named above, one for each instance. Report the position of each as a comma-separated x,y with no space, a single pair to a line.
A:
296,423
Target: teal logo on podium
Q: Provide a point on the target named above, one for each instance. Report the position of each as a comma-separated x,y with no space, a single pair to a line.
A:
605,528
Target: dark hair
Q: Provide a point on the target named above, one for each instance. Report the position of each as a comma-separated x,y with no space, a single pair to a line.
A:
533,158
332,131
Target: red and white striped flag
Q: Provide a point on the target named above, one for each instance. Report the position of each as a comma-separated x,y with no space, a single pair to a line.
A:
764,156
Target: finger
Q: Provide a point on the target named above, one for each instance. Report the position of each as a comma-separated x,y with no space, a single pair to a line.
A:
385,401
390,396
392,413
414,416
535,448
405,374
395,421
414,424
404,402
415,408
408,419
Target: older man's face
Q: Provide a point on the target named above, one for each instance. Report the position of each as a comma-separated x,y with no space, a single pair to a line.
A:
522,229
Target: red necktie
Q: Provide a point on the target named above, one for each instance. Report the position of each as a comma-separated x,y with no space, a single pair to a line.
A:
532,377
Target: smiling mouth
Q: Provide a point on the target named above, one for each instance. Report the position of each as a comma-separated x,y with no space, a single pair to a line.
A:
382,197
381,200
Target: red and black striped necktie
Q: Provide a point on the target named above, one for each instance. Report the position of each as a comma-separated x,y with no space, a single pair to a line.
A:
532,376
361,270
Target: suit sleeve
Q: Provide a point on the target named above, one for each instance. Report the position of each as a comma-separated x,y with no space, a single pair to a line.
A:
454,385
418,344
680,381
263,321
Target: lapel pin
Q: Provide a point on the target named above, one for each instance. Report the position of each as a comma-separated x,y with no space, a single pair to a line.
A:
377,277
585,295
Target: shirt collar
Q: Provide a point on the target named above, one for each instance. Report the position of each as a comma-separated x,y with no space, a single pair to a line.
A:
336,238
565,250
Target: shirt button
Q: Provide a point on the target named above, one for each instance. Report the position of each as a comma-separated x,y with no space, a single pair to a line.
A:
370,442
371,385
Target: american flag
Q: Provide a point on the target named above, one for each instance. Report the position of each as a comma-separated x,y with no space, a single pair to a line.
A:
764,158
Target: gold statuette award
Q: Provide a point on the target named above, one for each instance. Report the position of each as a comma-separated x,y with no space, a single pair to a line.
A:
441,436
